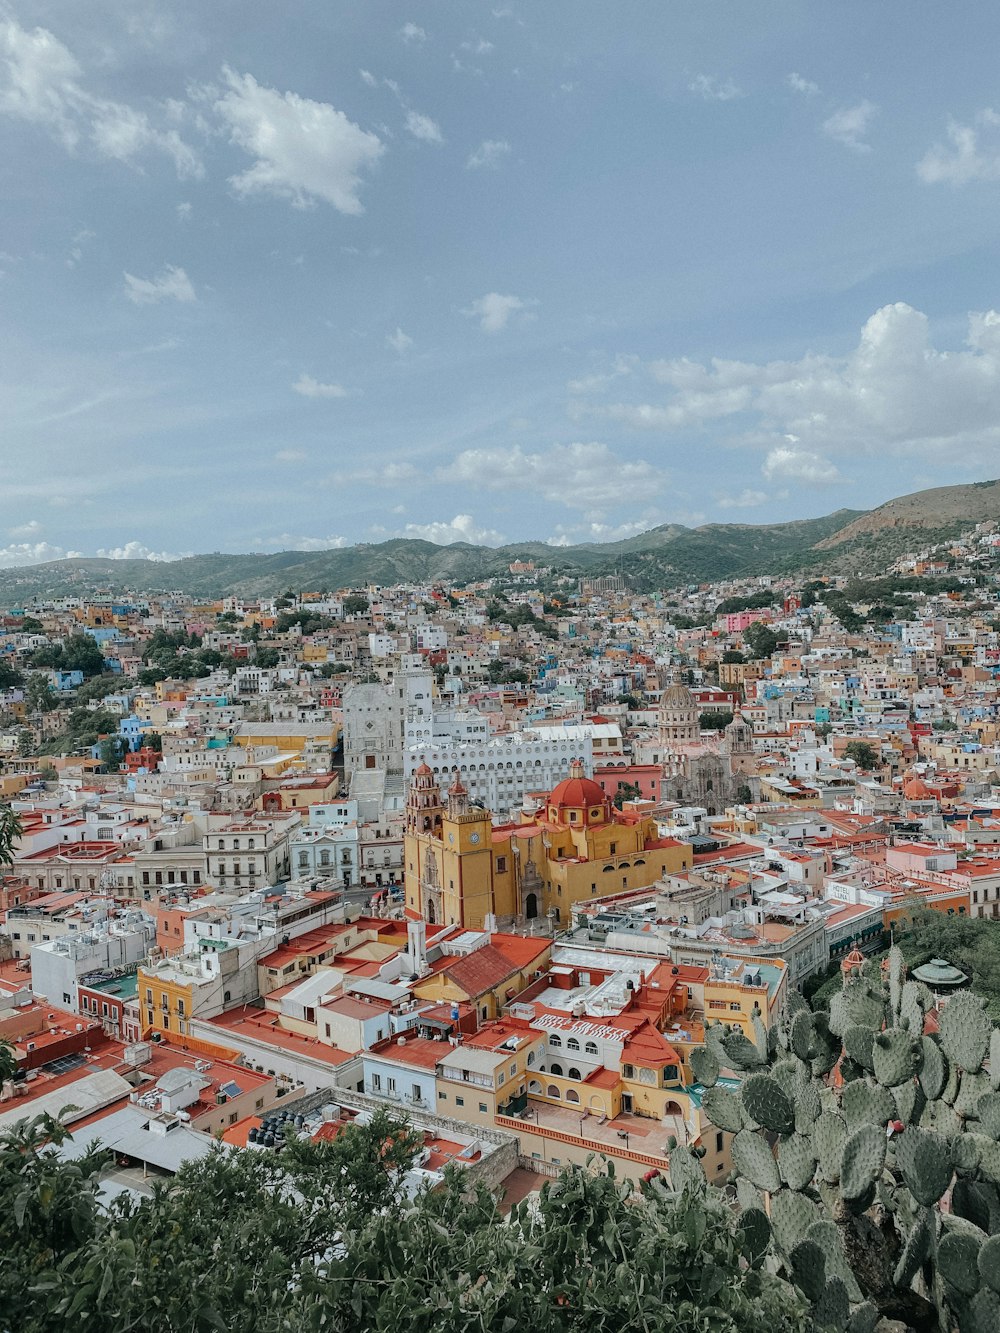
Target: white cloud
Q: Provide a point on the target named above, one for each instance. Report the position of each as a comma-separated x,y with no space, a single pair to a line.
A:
747,499
713,89
32,553
139,551
423,128
382,475
894,393
600,380
290,456
494,310
173,284
790,463
304,150
399,341
30,529
799,84
580,476
412,33
183,211
368,78
490,153
40,82
971,154
850,124
287,541
310,388
462,528
480,47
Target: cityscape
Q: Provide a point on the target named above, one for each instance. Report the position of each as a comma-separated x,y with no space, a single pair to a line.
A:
499,669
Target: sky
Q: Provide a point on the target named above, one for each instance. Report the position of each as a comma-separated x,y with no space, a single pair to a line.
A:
300,275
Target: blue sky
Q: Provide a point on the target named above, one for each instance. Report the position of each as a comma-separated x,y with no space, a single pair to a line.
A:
306,274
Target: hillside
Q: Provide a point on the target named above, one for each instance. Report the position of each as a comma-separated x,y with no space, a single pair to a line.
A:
845,541
938,509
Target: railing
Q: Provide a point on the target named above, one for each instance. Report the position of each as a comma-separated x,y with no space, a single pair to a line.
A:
592,1145
462,1076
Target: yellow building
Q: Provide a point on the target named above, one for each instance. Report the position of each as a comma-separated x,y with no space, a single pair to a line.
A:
459,869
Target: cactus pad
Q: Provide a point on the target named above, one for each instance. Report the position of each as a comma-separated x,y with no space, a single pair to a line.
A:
917,1248
858,1045
896,1056
796,1161
833,1309
864,1103
971,1088
910,1102
704,1066
995,1059
724,1109
964,1030
924,1160
753,1158
756,1235
934,1070
827,1236
792,1215
829,1137
982,1314
958,1262
939,1116
740,1052
807,1107
865,1004
808,1266
801,1034
989,1262
862,1161
897,976
748,1196
863,1319
988,1111
766,1104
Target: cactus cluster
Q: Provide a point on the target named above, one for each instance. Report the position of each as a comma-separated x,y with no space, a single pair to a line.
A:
866,1153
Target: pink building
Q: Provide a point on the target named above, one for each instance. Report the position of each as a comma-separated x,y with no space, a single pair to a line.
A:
737,621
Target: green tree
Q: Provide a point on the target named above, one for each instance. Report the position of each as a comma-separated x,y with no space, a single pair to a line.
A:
356,605
29,625
81,652
268,657
627,791
733,655
864,755
39,695
323,1236
25,743
715,720
10,834
110,752
760,639
10,677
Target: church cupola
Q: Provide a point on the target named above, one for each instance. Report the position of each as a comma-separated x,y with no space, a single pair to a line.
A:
423,802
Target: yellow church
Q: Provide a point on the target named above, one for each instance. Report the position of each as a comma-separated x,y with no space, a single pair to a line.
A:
459,869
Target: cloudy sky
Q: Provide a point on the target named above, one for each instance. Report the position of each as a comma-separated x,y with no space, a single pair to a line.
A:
324,271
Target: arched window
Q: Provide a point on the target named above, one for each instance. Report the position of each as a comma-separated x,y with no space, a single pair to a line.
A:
572,1044
572,1096
534,1085
573,1073
552,1091
638,861
555,1039
556,1069
591,1048
531,1058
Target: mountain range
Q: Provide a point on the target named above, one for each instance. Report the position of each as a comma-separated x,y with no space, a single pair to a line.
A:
846,541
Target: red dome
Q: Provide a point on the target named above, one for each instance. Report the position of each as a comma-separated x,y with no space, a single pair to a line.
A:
423,770
577,794
916,790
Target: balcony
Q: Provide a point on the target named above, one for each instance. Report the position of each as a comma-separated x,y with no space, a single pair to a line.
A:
463,1076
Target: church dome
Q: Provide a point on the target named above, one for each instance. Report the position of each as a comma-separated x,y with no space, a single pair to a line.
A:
917,790
578,800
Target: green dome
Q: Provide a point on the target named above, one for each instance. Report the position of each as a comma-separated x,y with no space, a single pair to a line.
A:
939,973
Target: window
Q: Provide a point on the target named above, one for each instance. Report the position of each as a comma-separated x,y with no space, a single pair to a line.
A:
377,1082
628,1071
591,1048
513,1070
501,1078
67,998
555,1069
483,1108
718,1142
555,1039
572,1044
459,1101
390,1084
573,1072
442,1096
501,864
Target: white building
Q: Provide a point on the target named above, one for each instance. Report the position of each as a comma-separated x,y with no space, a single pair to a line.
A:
57,965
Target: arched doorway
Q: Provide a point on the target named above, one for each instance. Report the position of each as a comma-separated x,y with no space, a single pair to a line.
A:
531,905
431,917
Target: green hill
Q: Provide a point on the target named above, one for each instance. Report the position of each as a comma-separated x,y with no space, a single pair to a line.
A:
845,541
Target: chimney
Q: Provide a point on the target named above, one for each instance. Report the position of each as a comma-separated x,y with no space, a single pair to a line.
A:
416,944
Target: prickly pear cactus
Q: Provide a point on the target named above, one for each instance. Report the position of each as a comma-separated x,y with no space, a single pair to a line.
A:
871,1137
